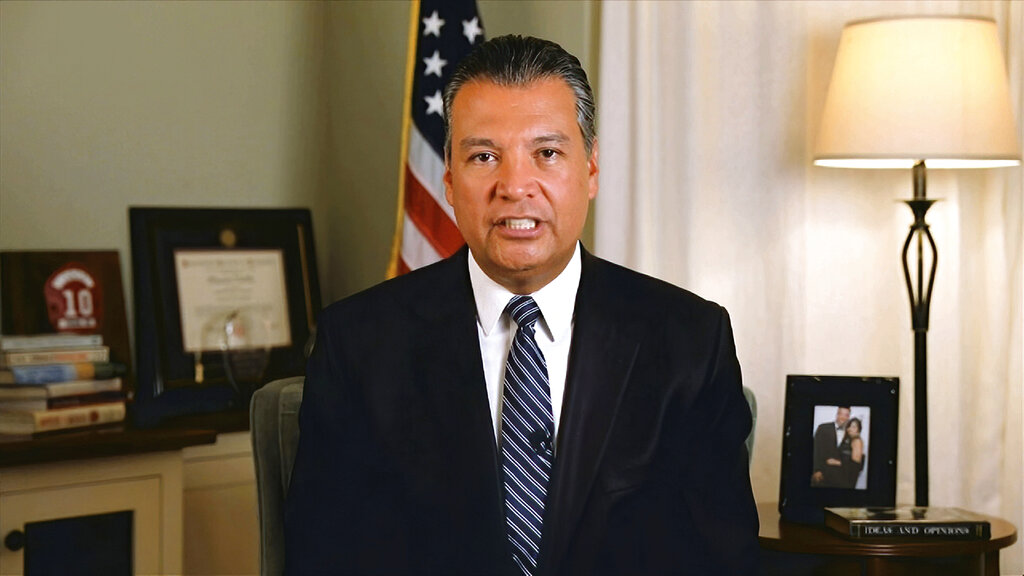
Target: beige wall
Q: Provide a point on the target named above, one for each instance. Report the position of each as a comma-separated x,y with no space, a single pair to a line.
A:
235,104
110,105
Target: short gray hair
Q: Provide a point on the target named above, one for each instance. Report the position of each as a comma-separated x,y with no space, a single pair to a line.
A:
515,60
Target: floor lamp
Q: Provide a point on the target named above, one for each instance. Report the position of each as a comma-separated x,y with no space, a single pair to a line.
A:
917,93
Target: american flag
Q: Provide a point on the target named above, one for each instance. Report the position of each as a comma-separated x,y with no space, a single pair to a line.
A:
442,33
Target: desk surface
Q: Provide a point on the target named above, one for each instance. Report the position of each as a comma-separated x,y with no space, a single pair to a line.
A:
781,536
85,443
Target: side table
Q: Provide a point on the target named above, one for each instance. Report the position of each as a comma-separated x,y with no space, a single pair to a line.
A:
795,549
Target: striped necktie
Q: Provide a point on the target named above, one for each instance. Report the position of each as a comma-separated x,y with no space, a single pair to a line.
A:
527,430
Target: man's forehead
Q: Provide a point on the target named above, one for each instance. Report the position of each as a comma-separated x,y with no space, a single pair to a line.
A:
543,88
530,84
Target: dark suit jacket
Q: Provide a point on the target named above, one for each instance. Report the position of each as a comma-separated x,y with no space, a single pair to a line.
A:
397,469
825,447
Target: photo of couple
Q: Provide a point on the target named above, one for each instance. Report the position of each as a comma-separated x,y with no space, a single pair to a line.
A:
840,447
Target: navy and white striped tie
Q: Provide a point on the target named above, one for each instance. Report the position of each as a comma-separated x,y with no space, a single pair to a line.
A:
527,430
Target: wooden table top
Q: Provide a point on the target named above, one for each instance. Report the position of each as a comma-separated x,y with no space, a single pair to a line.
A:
782,536
98,442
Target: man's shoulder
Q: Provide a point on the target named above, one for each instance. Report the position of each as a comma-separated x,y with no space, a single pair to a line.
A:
403,294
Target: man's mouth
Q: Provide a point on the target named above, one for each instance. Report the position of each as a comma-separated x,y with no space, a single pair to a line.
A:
520,223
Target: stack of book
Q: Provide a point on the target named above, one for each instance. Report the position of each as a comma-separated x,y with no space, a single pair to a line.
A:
58,381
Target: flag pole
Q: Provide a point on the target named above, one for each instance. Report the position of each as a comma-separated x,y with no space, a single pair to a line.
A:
410,69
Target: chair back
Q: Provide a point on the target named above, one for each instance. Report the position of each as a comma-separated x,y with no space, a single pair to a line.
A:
752,402
274,426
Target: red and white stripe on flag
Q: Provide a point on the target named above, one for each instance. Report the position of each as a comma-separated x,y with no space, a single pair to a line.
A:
441,33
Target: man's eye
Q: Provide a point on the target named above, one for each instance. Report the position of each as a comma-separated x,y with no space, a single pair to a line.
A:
548,153
483,157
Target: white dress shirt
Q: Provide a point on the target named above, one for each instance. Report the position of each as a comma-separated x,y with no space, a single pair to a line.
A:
557,302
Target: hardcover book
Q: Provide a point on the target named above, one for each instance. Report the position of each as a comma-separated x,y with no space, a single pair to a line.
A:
50,403
14,422
50,341
16,358
49,373
908,522
59,389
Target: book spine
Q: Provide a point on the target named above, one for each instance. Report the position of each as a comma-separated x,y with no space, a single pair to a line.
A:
84,399
51,373
938,531
61,418
22,393
44,374
37,404
32,405
78,387
35,358
49,341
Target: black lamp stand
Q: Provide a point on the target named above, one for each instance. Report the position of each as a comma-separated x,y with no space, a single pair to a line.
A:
920,303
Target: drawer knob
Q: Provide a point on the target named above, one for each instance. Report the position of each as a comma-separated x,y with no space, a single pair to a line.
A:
15,540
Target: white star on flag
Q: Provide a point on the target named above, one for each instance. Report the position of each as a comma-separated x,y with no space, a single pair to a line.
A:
432,25
435,104
434,64
471,29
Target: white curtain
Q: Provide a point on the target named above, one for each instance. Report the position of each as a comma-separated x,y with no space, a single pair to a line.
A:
708,114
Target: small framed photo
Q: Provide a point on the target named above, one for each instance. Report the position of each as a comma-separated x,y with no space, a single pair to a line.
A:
225,300
838,445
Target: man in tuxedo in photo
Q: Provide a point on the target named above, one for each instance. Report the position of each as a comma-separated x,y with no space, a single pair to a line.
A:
522,407
827,457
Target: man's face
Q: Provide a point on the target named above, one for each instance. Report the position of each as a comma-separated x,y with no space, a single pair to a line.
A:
519,179
842,415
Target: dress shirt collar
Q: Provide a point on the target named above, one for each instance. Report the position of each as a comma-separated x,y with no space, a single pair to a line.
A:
557,300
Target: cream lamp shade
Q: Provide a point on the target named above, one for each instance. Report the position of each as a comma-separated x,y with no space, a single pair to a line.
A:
918,88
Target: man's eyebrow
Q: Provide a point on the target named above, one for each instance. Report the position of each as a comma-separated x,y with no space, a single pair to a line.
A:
478,142
552,138
474,142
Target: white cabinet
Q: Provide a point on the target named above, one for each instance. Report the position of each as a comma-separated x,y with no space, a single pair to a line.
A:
221,525
149,485
193,509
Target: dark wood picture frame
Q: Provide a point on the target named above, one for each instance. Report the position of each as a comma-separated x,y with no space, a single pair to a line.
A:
799,500
166,383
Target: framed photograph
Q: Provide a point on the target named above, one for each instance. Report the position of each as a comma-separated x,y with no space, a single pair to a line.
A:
225,301
838,445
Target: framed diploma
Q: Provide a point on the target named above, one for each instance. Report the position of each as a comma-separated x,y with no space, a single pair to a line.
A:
225,300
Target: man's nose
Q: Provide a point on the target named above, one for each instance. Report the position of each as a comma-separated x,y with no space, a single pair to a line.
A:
516,178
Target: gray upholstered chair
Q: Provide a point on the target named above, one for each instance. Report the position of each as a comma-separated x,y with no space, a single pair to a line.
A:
273,420
274,425
752,401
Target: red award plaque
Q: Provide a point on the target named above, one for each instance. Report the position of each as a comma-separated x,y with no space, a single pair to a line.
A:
74,299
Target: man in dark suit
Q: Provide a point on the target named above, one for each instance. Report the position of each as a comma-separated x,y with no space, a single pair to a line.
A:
827,457
418,452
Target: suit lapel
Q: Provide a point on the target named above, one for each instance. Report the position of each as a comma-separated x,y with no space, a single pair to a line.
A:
450,352
456,394
600,360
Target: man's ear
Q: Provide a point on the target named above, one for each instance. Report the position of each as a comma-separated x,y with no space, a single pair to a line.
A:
593,171
448,193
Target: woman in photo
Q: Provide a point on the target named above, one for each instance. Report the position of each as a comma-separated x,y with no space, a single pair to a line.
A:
851,451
